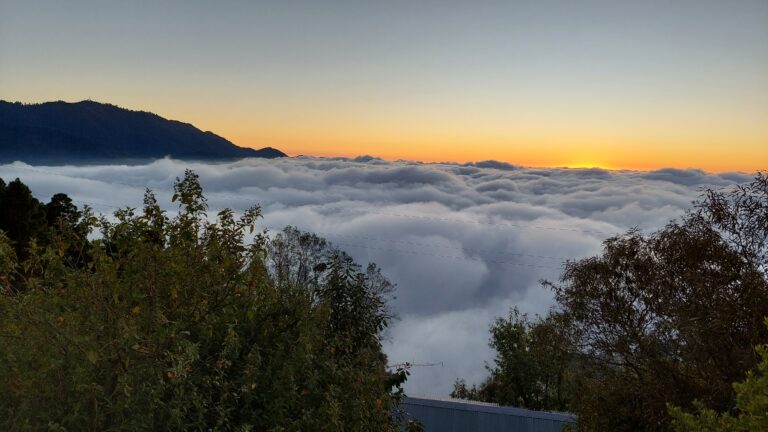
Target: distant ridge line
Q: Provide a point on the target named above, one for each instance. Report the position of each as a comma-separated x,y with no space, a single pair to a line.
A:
87,132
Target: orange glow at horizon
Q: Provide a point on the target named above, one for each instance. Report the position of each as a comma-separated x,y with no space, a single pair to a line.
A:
618,85
695,139
620,153
528,157
700,140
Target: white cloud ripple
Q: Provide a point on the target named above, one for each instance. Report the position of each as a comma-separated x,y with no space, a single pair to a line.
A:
463,243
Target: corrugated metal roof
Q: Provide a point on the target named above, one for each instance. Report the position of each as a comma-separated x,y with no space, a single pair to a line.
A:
451,415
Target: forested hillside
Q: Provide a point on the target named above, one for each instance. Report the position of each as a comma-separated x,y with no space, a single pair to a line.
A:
88,131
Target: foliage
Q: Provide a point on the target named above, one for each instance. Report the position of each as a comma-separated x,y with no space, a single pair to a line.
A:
751,410
22,217
181,324
530,369
28,223
669,317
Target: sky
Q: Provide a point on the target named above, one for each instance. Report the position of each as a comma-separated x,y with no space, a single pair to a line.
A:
464,243
614,84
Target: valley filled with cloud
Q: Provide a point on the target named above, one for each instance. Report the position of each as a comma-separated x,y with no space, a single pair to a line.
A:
463,242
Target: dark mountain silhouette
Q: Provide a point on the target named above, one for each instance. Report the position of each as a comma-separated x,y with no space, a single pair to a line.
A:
87,131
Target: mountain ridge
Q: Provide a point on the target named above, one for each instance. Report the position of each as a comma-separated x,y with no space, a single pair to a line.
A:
89,131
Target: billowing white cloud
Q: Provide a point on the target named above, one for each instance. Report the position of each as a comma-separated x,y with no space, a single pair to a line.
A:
463,243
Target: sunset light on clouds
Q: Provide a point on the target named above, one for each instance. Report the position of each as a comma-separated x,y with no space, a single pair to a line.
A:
620,85
384,216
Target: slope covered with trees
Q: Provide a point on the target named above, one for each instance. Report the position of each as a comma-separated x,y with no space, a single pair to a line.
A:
671,317
23,218
87,131
180,323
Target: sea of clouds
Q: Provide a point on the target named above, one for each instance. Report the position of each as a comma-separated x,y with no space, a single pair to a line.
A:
463,242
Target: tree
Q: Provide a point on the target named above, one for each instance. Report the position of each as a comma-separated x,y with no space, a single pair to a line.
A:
672,316
298,258
8,265
180,324
22,217
28,223
667,317
530,368
61,210
750,413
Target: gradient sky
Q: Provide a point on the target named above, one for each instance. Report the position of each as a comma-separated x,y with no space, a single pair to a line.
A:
617,84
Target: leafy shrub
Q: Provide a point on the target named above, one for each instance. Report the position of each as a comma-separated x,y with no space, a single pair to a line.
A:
181,324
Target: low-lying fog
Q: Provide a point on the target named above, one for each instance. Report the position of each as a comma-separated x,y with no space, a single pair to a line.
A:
463,243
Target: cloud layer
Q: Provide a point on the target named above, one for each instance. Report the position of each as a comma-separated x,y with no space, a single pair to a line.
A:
463,242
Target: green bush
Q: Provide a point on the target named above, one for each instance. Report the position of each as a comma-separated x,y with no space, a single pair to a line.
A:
749,415
180,324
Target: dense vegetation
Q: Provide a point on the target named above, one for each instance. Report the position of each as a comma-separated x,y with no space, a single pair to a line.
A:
655,321
750,413
179,323
143,321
